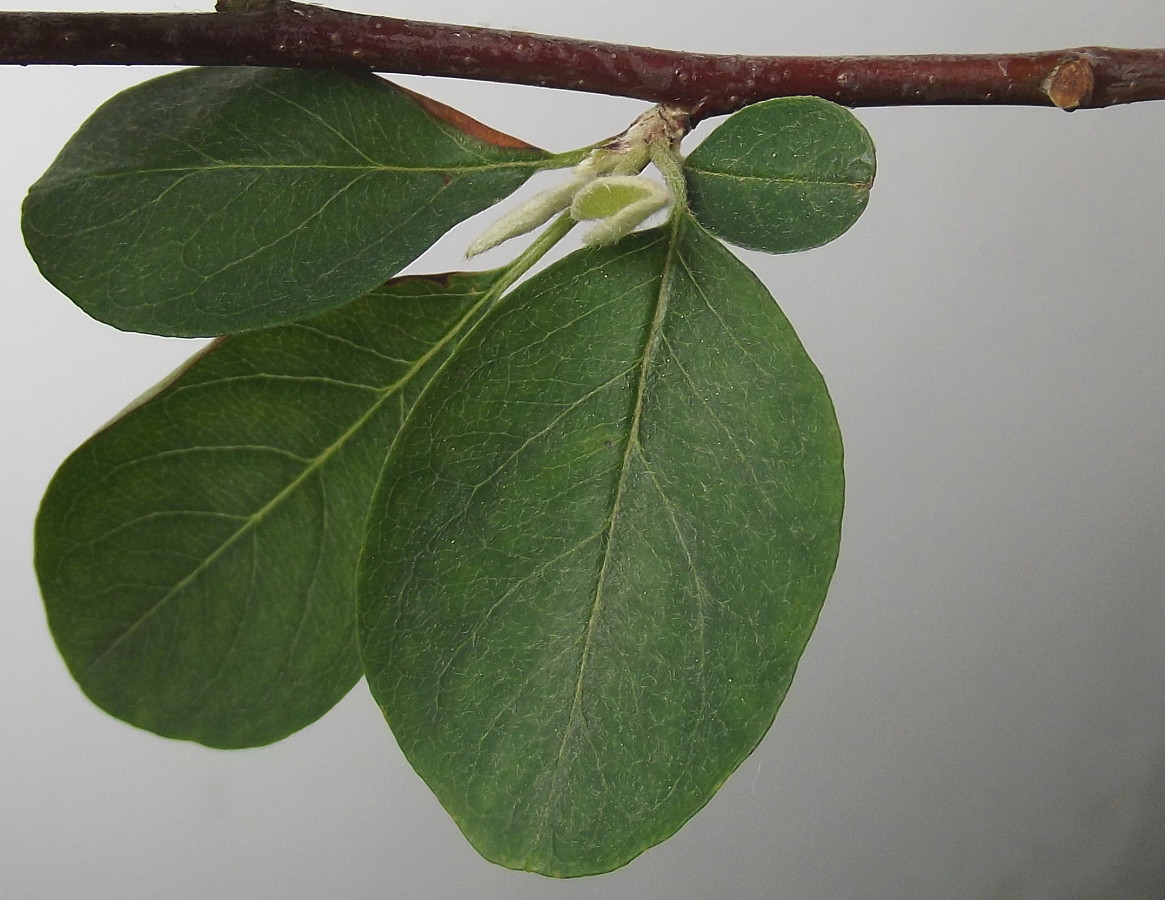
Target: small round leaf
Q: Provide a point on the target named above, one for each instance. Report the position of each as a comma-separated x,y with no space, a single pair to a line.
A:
782,175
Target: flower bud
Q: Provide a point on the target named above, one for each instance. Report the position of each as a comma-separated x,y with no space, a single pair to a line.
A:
621,202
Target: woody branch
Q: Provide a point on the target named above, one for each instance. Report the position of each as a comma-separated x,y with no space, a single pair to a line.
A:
286,33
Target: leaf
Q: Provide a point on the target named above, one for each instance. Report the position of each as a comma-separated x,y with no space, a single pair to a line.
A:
598,551
197,557
782,175
219,200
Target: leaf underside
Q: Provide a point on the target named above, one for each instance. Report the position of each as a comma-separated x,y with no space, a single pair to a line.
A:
218,200
782,175
197,556
598,550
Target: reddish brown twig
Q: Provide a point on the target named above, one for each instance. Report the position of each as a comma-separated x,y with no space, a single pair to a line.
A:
284,33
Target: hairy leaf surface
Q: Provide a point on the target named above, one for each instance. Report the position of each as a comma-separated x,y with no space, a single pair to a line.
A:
213,201
782,175
198,556
598,551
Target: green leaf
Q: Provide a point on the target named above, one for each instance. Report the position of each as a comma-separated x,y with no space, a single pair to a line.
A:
197,557
782,175
212,201
599,549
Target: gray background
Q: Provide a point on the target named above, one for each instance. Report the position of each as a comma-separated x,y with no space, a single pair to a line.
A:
980,713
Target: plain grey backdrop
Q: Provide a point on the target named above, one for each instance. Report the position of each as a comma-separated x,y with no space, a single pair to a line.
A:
980,713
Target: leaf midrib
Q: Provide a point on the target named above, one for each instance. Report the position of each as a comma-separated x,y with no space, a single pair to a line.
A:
782,179
69,179
251,522
631,450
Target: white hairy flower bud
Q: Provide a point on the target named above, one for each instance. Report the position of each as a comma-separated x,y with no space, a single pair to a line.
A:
620,202
604,186
534,212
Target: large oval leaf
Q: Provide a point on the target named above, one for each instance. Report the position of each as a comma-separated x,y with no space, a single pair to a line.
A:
782,175
212,201
197,557
599,549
